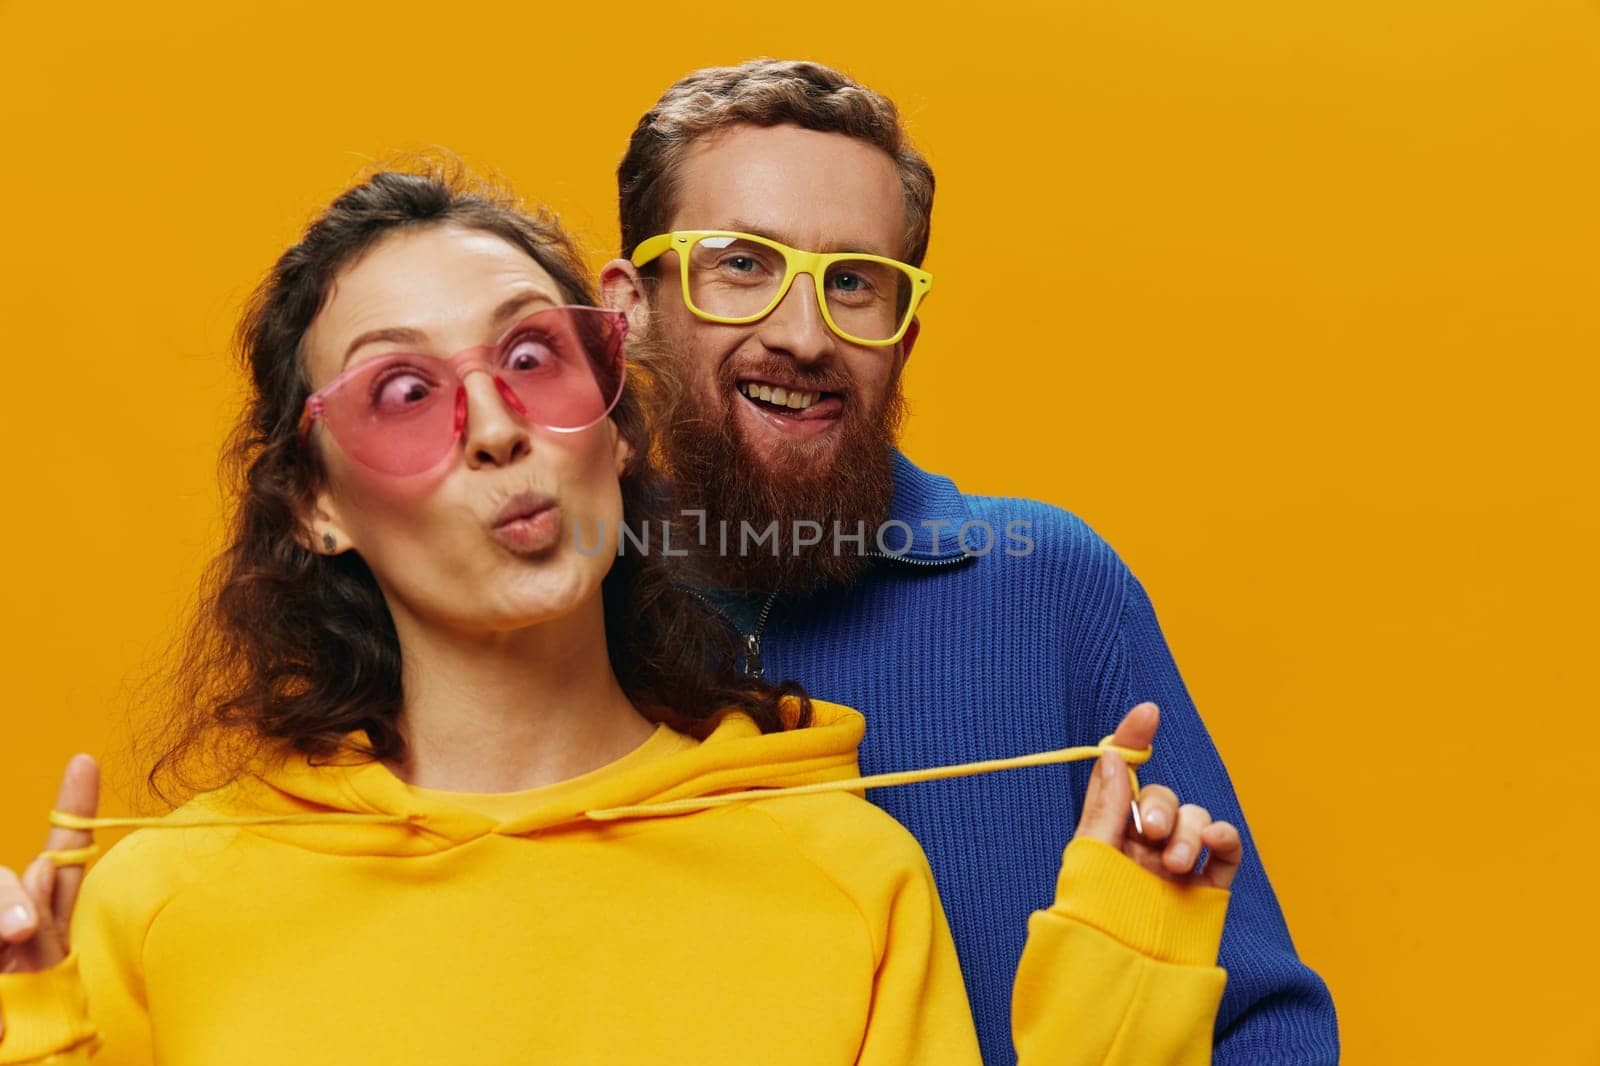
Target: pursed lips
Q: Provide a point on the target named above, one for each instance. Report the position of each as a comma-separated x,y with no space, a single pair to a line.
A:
522,505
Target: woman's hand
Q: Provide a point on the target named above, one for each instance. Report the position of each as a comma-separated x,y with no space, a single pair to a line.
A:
1173,835
36,908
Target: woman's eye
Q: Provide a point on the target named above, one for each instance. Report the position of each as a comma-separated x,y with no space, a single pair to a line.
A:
529,353
400,391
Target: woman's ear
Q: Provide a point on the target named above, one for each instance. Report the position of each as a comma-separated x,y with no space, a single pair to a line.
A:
622,289
319,530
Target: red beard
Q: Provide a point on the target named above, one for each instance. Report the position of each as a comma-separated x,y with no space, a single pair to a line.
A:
847,487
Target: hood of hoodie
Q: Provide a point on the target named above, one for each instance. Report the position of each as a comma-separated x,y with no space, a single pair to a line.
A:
355,807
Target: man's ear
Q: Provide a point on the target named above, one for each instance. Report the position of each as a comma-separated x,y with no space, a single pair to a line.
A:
624,451
909,339
319,530
622,289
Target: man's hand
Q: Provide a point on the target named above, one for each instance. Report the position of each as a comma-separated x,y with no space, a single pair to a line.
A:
1173,835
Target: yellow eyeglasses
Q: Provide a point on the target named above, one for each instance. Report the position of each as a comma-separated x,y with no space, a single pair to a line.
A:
735,278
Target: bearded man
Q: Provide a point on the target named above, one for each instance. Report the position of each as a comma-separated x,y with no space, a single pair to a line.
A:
774,218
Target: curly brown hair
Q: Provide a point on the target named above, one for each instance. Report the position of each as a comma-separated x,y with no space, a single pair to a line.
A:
289,645
762,92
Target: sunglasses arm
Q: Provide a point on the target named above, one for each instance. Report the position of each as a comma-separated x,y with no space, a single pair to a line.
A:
308,414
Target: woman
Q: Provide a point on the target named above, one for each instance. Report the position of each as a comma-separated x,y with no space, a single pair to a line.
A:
457,738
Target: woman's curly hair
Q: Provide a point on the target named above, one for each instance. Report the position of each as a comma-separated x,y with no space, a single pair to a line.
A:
289,645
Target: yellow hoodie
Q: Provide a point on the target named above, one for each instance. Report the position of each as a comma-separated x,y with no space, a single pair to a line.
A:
335,914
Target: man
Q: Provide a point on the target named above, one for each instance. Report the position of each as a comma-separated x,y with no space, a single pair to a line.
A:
964,627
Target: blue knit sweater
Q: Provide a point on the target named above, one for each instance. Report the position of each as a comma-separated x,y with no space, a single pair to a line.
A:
955,657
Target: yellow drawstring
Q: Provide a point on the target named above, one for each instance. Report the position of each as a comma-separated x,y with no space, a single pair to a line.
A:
1132,756
76,856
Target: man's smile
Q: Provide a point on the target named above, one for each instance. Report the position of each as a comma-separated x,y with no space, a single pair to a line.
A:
789,411
791,399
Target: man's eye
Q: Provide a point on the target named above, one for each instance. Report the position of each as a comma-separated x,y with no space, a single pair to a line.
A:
854,285
742,264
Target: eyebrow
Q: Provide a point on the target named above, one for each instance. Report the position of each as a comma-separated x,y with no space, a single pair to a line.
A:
760,231
407,335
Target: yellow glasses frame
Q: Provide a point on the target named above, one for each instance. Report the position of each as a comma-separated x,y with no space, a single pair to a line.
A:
795,261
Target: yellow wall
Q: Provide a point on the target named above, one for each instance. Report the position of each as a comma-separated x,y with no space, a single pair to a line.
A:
1294,302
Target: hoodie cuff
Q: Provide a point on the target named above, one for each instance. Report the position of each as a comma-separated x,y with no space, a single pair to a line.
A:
45,1013
1103,888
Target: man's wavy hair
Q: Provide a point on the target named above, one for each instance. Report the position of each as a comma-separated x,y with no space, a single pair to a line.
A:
762,92
288,645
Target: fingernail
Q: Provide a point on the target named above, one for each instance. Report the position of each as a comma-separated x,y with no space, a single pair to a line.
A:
1183,853
15,919
1155,818
1108,767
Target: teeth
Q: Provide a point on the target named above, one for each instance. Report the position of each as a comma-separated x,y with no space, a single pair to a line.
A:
780,396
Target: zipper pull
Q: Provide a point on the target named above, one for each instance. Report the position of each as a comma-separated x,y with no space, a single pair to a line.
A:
752,655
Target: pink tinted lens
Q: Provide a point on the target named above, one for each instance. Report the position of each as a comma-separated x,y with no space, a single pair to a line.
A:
401,414
395,414
565,364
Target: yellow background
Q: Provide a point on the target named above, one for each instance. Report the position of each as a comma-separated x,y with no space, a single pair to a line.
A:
1296,303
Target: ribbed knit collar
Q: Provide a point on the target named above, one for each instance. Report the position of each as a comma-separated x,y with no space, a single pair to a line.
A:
931,506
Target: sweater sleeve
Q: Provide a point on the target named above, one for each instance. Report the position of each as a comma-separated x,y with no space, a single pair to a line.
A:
1276,1009
46,1016
91,1005
1121,969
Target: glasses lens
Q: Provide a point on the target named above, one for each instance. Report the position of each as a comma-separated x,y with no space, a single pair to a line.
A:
394,414
398,414
565,364
733,278
867,299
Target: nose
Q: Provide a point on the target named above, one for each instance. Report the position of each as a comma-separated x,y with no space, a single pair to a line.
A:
796,326
494,434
